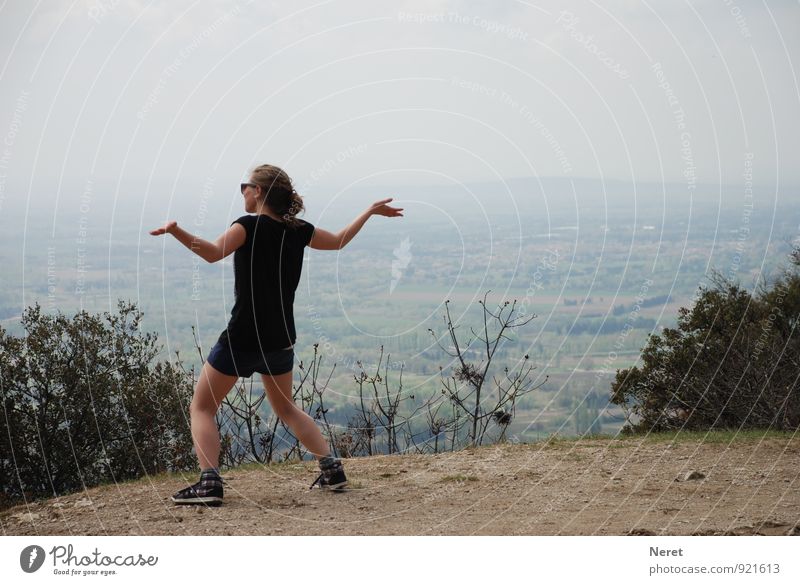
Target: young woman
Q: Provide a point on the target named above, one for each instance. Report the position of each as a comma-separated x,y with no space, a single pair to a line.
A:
267,258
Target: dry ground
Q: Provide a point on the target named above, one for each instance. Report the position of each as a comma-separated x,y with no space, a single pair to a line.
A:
585,487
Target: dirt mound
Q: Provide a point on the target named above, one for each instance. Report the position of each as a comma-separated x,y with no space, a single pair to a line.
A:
586,487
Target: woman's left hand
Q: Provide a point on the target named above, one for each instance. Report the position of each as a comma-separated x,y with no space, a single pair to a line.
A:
380,208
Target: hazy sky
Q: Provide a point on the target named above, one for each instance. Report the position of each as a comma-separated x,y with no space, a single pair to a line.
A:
343,92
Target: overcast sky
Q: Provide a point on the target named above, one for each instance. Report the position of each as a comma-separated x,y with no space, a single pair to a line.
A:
393,92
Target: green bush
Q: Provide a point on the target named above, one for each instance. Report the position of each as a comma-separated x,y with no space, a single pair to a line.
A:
732,362
83,404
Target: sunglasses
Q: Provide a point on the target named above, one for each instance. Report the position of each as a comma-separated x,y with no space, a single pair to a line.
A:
244,186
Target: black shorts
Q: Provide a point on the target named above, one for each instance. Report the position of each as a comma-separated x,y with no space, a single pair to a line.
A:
244,363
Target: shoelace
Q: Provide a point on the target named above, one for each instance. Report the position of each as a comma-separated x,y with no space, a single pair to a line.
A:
192,490
336,465
316,481
197,487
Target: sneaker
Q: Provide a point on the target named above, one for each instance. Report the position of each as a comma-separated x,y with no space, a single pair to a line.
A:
203,492
332,476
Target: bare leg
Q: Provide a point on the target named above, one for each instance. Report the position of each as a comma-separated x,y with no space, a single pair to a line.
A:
209,392
279,394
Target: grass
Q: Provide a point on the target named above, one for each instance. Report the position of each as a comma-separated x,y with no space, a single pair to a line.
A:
722,436
192,475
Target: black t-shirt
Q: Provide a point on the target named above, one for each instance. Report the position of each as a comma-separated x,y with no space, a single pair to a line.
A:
267,271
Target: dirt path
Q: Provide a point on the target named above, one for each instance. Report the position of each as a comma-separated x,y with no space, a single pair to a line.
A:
589,487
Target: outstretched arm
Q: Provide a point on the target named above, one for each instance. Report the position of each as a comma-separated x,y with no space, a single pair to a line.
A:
325,240
225,245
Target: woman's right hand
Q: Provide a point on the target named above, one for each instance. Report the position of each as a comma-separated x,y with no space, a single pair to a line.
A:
168,228
380,208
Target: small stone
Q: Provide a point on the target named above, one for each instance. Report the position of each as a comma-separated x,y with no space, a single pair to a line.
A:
26,517
84,503
692,475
